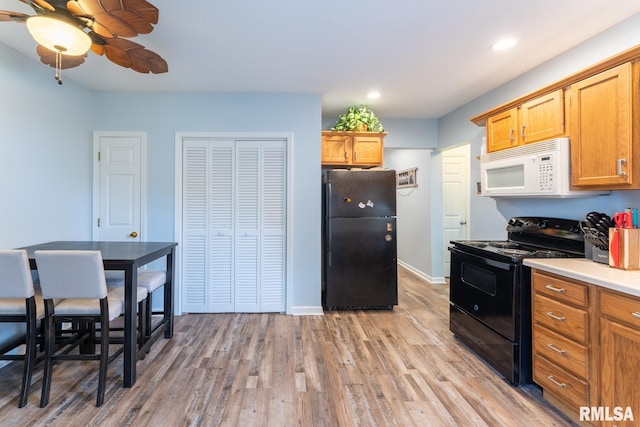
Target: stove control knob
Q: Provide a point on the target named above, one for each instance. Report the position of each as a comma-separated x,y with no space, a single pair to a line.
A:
515,222
542,224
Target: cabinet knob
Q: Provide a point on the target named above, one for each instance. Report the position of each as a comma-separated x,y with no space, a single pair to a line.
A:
133,234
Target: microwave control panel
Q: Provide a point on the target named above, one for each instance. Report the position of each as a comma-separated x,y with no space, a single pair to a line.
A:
545,172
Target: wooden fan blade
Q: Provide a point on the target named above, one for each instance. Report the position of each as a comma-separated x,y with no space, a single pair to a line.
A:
45,5
6,15
48,57
117,18
132,55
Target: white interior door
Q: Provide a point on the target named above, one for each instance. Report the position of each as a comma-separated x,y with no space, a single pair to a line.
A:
118,186
455,181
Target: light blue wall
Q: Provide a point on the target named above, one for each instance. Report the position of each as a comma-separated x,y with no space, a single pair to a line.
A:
45,152
413,207
161,115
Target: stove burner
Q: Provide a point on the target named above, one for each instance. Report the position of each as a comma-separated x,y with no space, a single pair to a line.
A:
504,245
542,253
477,244
508,251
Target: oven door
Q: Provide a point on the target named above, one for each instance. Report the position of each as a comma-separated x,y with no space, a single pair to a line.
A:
487,290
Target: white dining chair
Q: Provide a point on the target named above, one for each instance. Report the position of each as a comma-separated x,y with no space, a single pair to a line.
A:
151,280
76,277
19,303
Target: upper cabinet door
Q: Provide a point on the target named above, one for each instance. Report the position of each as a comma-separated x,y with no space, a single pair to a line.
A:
542,118
502,130
367,150
601,130
336,149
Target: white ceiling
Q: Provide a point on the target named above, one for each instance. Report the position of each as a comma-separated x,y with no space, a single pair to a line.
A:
426,57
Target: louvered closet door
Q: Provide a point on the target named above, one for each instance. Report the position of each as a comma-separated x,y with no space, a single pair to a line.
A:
234,226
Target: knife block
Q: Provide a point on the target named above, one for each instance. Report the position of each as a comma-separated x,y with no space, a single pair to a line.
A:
624,248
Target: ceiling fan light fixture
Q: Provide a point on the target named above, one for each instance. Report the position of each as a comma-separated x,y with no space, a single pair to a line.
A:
58,36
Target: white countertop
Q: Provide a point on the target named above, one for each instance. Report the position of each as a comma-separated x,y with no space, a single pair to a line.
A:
627,281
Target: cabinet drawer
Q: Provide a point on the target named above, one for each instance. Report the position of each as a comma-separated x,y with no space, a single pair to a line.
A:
561,351
562,318
622,308
562,290
563,385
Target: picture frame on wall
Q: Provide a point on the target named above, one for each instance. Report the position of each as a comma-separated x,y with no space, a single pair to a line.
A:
407,178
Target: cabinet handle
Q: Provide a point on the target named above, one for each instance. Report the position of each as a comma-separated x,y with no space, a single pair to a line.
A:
553,380
355,155
522,130
512,134
556,349
554,289
636,314
346,155
620,163
553,316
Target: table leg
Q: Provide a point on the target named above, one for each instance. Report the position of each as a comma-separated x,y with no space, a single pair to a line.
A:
168,296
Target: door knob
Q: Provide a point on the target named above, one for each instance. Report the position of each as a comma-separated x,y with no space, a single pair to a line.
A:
133,234
463,222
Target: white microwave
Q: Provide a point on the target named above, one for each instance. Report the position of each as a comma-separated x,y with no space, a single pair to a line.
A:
541,169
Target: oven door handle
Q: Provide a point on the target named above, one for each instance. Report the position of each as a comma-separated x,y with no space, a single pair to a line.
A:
466,256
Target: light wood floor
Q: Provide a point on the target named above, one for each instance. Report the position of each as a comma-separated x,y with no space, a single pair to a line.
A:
387,368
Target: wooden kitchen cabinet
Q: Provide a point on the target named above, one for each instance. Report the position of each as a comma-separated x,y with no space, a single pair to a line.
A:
562,342
543,117
535,120
502,130
586,347
360,149
620,354
604,130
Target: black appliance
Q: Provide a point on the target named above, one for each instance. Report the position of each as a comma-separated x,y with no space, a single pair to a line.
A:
359,262
490,290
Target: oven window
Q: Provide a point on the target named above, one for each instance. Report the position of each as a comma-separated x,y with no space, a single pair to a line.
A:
480,278
512,176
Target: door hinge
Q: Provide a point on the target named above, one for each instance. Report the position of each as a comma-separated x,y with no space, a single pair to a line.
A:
98,222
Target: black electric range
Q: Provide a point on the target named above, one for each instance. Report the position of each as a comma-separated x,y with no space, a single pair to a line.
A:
490,289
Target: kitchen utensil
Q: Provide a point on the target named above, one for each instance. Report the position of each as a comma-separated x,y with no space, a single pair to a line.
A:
620,218
614,254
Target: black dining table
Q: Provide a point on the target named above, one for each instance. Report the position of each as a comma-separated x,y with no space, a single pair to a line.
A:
127,257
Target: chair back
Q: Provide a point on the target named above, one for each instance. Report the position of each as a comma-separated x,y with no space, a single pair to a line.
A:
15,274
71,274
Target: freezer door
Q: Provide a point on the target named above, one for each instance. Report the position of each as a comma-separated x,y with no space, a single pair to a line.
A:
360,263
353,194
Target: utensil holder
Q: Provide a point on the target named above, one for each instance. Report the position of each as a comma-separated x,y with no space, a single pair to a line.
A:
624,248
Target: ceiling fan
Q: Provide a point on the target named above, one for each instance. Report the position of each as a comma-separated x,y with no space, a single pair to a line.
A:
66,30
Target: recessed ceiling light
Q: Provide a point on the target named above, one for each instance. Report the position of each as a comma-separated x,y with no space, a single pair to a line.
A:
374,94
504,44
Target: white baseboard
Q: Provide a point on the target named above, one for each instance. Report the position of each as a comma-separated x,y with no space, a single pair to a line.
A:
306,311
421,274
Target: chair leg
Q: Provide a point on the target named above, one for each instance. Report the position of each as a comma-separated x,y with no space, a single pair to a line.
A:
30,352
142,322
148,313
49,345
104,350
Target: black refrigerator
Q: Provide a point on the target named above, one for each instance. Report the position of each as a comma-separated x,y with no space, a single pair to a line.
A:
359,240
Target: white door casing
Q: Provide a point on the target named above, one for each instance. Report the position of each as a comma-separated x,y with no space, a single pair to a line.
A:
455,203
119,197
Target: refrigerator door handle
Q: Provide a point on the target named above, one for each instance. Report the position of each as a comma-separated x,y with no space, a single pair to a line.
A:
329,235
